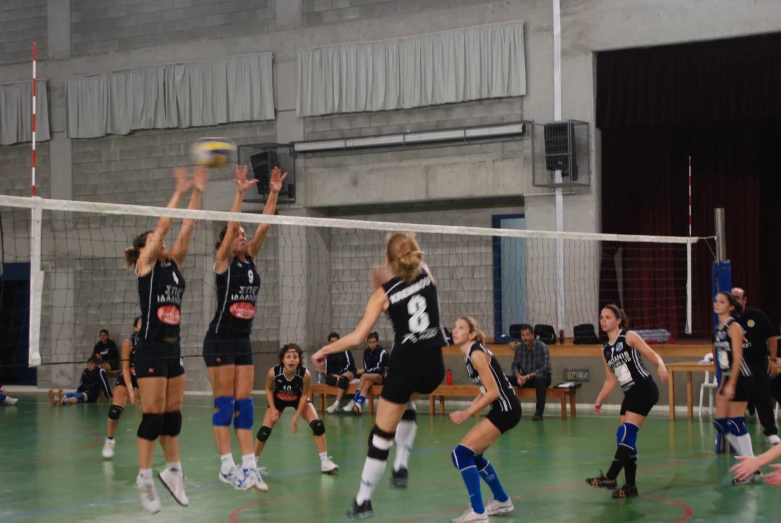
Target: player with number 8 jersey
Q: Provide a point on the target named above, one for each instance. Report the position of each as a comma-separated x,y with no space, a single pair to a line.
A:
407,292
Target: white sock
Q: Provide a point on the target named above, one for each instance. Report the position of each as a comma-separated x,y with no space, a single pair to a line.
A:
144,476
405,437
336,403
372,471
227,463
248,461
175,467
733,440
323,456
743,444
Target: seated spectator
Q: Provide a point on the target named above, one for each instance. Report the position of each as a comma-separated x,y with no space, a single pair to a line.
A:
106,352
5,400
531,367
339,372
375,364
93,380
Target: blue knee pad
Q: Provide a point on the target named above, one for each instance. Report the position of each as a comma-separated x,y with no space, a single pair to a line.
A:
463,457
722,425
626,435
737,426
245,416
2,398
223,411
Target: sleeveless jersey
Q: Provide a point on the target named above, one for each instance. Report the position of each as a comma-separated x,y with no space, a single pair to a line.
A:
288,389
414,313
504,402
133,339
160,296
625,361
723,345
237,294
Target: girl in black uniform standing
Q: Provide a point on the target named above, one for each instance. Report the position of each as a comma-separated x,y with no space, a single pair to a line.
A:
735,385
407,292
484,370
123,390
159,365
227,350
624,366
287,384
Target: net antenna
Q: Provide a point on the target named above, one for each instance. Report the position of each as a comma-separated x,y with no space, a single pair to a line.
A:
36,275
688,328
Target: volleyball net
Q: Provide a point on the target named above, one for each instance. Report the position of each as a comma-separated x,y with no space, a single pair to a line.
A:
64,279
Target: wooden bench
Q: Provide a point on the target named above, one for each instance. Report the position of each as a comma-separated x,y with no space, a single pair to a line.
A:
470,391
323,390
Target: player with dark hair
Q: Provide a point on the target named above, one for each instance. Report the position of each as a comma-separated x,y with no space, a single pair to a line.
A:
375,365
287,385
495,390
123,390
339,372
729,346
93,381
106,352
159,364
624,366
406,291
227,349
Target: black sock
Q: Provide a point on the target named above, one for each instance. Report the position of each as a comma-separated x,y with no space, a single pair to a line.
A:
630,470
109,437
619,461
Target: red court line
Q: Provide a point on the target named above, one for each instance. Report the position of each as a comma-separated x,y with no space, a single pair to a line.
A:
687,510
92,443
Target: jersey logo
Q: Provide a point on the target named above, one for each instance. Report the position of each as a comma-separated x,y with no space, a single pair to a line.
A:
251,276
169,315
243,310
620,347
176,278
751,323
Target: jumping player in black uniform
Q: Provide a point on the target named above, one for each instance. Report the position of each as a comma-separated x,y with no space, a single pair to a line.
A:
624,366
227,349
93,381
729,344
407,292
287,384
375,365
159,365
495,390
124,389
339,372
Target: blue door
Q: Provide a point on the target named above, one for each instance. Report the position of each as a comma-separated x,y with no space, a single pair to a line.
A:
15,325
510,305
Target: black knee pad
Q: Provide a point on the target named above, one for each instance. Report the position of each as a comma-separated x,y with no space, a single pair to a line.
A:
374,451
172,423
330,379
150,427
115,412
318,427
263,433
381,433
343,382
409,415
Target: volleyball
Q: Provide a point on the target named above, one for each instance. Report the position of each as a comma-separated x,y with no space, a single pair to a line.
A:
213,152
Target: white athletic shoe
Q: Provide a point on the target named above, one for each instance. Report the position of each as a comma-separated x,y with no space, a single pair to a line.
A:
328,466
756,476
773,439
259,483
499,507
227,478
13,401
470,515
349,406
108,448
244,479
149,498
332,408
175,484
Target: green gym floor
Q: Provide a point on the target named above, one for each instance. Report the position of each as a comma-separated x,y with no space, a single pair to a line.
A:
51,470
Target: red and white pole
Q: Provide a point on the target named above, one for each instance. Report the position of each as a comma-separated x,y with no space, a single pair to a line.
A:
690,196
35,92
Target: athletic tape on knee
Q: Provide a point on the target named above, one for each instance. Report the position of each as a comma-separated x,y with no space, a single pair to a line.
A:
722,426
463,457
343,382
223,411
115,412
317,426
379,448
150,427
263,433
626,435
172,423
330,379
737,426
245,414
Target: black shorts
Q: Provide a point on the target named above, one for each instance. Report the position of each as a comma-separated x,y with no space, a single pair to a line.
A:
158,360
92,396
121,381
226,351
281,405
113,364
742,389
504,421
412,371
640,398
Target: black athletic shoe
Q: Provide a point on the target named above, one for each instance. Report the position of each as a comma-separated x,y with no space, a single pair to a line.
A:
399,479
362,511
602,481
626,492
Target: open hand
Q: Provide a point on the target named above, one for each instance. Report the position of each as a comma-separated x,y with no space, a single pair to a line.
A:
275,182
662,371
182,182
294,424
242,184
200,178
746,467
773,478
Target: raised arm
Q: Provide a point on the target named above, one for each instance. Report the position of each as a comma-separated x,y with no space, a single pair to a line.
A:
274,185
224,252
182,245
636,341
155,240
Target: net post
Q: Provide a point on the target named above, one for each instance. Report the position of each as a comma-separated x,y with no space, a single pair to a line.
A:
36,287
688,328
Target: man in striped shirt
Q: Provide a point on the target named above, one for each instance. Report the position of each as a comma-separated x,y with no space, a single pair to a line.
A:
531,367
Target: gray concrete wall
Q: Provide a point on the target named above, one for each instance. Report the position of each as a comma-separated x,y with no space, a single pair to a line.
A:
22,22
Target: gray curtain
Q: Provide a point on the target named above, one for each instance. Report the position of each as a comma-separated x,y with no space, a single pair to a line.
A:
16,113
473,63
197,94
